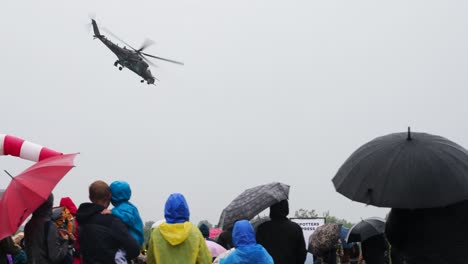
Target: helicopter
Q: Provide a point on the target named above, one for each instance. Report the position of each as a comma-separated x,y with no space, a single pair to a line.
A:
133,59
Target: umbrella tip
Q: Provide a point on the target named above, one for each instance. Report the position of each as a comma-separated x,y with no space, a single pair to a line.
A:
409,134
8,174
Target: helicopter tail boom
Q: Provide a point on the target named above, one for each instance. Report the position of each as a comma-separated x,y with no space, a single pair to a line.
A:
97,34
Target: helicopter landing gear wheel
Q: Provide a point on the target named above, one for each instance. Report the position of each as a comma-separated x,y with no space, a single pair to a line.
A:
142,81
116,63
120,68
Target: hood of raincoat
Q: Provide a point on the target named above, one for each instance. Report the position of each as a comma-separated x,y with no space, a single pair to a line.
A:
175,234
121,192
176,210
243,234
69,204
205,230
279,210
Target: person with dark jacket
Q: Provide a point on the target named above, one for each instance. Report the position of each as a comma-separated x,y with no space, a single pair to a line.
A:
8,247
102,235
43,242
281,237
375,250
225,239
205,230
435,235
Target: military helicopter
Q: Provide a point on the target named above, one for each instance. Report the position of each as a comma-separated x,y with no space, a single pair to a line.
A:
132,58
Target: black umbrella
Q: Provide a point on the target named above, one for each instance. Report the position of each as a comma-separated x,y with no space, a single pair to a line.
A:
365,229
406,170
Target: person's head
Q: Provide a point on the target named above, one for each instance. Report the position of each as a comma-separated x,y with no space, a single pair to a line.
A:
176,210
279,210
205,230
120,191
45,209
243,234
99,193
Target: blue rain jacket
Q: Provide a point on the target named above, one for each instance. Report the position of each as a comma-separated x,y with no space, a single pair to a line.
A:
343,233
247,250
176,210
125,210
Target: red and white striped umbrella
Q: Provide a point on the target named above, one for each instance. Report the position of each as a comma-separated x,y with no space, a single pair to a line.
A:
10,145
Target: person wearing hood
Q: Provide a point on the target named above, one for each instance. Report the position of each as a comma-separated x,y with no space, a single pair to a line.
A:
126,211
43,242
247,250
68,203
281,237
205,230
177,240
102,235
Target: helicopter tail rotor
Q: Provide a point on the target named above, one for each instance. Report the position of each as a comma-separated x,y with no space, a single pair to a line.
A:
89,26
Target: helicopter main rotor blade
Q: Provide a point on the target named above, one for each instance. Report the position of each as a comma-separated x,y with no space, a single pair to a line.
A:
149,62
115,36
146,44
159,58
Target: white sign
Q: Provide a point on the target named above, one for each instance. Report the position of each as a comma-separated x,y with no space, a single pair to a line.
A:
308,225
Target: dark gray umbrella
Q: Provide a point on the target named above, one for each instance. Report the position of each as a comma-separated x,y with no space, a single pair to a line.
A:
253,201
257,221
365,229
405,170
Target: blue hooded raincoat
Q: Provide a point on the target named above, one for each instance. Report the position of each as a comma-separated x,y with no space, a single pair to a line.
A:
125,210
247,250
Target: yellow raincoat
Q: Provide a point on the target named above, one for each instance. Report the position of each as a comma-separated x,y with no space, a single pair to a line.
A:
177,244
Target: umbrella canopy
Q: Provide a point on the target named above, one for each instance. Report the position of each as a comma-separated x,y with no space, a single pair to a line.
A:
324,238
214,232
406,170
257,221
27,191
253,201
215,248
365,229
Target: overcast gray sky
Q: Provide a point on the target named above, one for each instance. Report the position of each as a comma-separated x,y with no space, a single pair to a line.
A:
270,91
